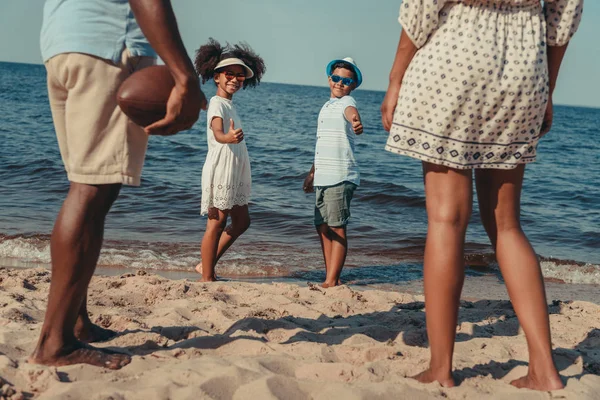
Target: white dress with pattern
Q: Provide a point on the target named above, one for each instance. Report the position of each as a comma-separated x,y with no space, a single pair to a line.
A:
226,176
475,93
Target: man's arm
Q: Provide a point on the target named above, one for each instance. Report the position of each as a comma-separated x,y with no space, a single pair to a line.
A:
157,20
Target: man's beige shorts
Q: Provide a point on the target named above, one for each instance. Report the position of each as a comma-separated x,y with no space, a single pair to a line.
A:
98,143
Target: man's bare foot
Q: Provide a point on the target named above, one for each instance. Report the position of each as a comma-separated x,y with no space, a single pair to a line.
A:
91,333
81,353
542,383
428,376
211,279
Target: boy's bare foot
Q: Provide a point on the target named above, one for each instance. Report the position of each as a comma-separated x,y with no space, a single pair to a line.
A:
445,379
80,353
90,333
545,383
326,284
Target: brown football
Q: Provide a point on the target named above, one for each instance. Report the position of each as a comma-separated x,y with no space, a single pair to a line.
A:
143,96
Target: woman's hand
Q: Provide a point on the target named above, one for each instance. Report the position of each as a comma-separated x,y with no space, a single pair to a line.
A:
389,105
548,117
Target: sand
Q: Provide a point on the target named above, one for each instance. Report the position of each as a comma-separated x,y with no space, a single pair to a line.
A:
238,340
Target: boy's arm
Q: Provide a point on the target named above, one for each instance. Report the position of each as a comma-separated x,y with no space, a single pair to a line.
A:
352,116
233,136
308,181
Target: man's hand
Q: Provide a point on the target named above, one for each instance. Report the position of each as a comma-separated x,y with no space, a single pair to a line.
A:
183,109
357,125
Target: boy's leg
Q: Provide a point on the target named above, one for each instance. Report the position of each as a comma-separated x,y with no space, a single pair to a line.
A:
215,225
325,239
338,251
337,199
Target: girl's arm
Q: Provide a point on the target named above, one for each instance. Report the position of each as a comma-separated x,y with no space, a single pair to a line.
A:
555,57
404,55
351,114
232,136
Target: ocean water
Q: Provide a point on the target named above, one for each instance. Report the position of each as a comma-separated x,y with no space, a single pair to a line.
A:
158,225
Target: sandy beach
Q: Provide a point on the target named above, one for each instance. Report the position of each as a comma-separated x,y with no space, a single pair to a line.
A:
238,340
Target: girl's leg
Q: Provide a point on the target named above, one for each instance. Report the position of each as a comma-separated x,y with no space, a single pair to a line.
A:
449,196
240,222
337,255
215,225
499,193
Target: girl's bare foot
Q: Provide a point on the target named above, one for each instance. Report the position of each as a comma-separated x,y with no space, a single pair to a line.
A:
545,383
445,379
80,353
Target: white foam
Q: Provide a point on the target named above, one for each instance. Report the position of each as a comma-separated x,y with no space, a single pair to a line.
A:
28,250
572,273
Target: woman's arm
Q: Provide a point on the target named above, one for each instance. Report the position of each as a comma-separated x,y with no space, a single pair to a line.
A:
404,55
555,57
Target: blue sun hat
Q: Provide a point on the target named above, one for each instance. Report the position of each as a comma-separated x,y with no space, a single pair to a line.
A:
350,61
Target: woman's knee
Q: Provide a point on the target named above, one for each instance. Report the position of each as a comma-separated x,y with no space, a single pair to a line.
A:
452,215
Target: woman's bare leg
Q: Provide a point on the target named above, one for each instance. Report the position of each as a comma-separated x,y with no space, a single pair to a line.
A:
499,194
449,197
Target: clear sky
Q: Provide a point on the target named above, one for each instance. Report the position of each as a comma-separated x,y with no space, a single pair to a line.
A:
297,38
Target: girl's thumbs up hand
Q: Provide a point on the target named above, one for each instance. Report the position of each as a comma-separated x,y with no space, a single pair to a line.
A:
234,135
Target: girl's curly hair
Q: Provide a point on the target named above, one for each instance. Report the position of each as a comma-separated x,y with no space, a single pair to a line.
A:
210,54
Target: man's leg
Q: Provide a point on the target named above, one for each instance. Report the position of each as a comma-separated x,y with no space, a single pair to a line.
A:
88,332
75,246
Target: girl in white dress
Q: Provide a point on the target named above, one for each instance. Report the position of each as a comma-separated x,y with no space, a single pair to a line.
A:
226,178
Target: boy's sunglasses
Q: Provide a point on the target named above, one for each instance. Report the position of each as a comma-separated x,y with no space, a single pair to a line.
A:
230,75
345,81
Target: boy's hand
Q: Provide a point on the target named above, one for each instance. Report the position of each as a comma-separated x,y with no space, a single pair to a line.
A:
234,135
357,125
308,183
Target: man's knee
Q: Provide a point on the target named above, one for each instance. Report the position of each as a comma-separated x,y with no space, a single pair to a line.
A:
95,198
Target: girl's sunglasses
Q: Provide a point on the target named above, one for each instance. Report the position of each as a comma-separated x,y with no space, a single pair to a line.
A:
230,75
345,81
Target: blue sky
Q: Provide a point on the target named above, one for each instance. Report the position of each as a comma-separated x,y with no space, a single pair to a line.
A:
298,37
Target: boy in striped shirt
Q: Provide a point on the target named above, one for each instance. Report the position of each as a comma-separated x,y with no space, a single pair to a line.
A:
334,175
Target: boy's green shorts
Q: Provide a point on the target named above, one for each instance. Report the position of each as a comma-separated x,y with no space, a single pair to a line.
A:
332,206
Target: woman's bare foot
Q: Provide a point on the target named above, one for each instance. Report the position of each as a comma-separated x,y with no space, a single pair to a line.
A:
81,353
445,379
91,333
538,383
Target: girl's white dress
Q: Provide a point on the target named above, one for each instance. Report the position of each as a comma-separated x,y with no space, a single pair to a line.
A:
226,178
